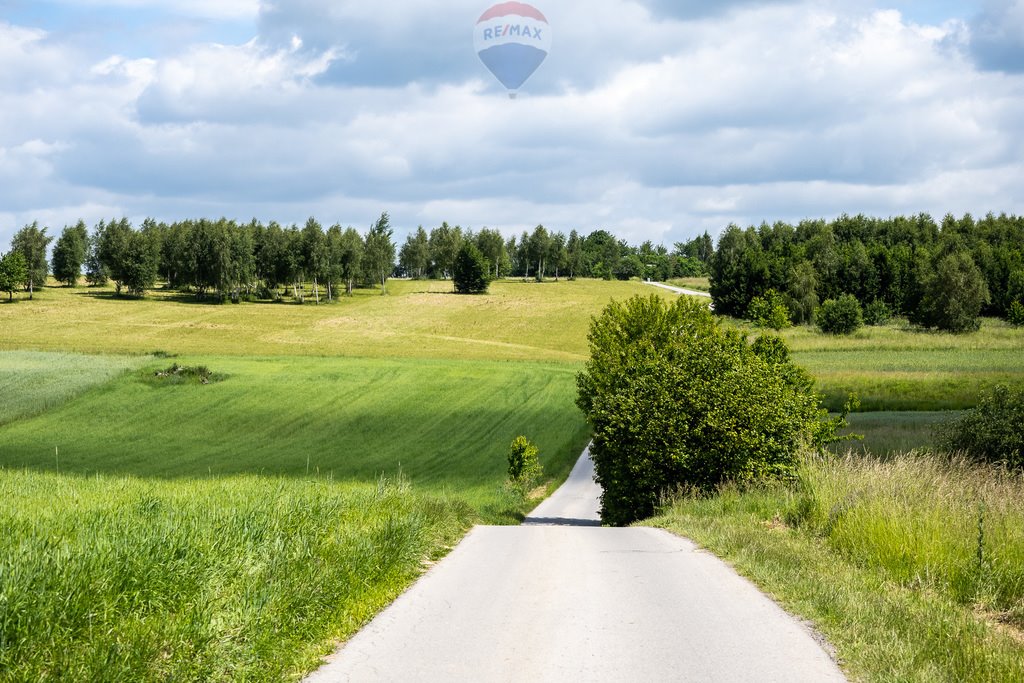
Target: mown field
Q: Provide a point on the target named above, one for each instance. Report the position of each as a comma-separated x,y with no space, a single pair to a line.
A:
418,319
34,382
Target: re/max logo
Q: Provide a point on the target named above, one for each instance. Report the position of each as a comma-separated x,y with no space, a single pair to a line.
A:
512,30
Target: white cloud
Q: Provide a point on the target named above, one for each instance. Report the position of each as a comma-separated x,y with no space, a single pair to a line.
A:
652,127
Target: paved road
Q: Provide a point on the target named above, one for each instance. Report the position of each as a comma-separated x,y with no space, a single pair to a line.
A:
561,599
679,290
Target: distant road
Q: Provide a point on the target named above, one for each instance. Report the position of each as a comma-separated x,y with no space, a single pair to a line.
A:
562,599
679,290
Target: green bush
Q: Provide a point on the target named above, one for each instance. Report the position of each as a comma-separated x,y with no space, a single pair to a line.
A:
992,432
840,316
769,310
877,313
678,402
1016,314
471,269
524,468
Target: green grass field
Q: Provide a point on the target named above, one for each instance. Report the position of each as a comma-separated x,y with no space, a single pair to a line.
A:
230,579
34,382
889,433
262,486
898,368
441,423
700,284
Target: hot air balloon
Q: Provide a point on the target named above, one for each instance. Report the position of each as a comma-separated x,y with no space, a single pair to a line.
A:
512,40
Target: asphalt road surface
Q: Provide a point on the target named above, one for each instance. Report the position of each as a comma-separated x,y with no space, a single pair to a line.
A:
562,599
680,290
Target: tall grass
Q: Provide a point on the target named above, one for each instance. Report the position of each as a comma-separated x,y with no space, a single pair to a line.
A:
913,567
701,284
897,367
243,578
952,526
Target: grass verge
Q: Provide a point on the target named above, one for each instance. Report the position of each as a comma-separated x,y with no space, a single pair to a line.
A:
242,578
886,559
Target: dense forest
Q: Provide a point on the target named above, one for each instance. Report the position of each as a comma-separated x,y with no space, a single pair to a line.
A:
940,276
937,275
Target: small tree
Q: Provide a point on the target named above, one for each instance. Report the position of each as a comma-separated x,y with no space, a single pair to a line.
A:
13,271
471,270
379,254
349,255
524,468
877,313
840,316
1015,315
769,310
69,254
96,273
140,263
32,242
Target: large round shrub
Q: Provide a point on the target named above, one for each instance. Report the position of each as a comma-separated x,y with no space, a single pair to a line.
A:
678,402
840,316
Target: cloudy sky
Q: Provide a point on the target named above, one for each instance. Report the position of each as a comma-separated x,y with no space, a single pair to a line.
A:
655,119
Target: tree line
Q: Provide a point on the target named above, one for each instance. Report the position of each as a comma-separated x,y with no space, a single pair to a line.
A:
941,276
544,254
214,259
228,260
937,275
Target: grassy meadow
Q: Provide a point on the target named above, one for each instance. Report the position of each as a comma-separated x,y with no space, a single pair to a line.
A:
913,568
899,368
700,284
237,530
418,319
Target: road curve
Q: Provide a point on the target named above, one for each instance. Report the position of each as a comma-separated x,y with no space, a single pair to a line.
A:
679,290
561,599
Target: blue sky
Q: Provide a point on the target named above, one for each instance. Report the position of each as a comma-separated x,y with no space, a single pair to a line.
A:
655,119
